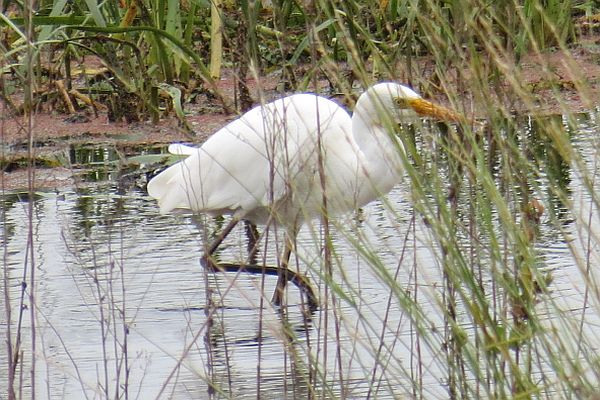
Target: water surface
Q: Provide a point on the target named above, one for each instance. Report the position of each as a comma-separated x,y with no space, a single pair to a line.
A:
123,307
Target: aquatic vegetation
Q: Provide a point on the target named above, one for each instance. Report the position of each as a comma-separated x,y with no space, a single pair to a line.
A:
474,278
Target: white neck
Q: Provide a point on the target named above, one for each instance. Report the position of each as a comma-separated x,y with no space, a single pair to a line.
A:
382,151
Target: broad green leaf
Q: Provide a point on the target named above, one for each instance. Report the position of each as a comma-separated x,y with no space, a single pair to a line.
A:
175,95
12,25
96,13
57,9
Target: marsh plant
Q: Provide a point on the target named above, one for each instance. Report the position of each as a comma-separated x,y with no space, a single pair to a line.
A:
445,289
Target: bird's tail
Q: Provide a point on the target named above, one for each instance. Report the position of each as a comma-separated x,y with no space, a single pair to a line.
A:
168,187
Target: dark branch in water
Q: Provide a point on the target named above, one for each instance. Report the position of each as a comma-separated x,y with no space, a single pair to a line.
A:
301,282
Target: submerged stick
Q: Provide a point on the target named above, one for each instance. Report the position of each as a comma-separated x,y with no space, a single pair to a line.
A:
301,282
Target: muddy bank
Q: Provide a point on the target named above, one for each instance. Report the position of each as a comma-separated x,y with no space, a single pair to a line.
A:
557,82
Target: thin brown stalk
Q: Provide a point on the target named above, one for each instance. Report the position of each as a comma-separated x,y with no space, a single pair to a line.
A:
29,116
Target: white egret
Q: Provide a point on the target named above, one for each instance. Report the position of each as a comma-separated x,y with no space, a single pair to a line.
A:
284,161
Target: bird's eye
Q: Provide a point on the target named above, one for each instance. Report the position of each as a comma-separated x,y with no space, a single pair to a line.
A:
401,102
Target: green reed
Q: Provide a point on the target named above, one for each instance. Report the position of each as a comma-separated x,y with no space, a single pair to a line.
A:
475,187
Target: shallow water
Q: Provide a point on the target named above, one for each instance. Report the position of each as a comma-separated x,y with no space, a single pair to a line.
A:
122,304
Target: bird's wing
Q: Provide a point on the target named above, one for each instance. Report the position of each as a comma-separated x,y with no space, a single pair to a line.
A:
250,163
219,176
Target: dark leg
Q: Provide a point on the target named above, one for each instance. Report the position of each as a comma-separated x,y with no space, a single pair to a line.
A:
282,273
253,241
207,257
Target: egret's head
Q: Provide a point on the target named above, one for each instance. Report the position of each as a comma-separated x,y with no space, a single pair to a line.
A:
403,103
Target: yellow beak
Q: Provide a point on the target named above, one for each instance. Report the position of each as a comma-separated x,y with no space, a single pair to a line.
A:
425,108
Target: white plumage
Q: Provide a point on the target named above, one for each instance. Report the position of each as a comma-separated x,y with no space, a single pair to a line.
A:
269,158
268,162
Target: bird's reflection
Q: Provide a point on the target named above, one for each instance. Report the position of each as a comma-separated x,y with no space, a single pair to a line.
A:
263,337
261,331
